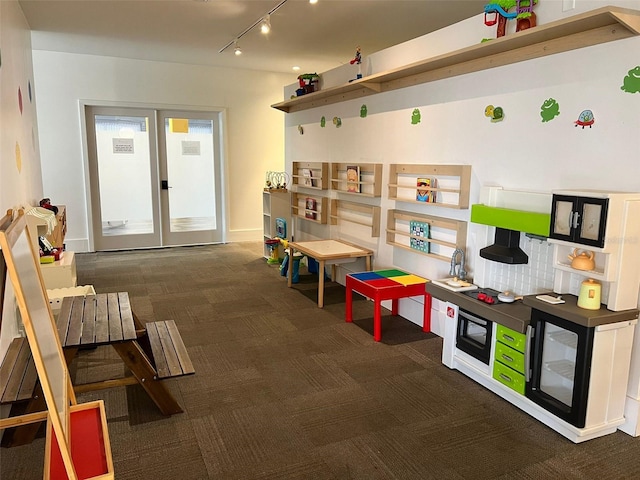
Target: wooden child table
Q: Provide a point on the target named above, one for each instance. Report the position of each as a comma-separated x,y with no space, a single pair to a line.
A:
328,252
391,285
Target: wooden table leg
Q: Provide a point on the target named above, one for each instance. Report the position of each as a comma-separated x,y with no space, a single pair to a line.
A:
290,270
321,284
368,262
135,359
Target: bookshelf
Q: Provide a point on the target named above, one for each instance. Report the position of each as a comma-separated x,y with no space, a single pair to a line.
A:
311,175
369,181
451,190
445,234
316,212
358,213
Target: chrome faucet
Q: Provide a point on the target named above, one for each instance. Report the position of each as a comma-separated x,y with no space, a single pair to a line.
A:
461,273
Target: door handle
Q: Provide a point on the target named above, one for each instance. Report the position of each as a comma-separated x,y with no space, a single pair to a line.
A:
164,184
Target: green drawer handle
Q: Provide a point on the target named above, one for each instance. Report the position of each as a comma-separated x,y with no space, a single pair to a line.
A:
508,338
507,358
506,378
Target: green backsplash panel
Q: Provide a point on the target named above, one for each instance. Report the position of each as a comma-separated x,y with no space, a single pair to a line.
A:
518,220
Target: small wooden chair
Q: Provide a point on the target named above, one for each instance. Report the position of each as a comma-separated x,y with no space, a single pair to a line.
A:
77,443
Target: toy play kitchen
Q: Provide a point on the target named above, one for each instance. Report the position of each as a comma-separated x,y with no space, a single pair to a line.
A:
563,356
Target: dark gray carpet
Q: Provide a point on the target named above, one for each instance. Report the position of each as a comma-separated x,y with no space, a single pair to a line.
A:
285,390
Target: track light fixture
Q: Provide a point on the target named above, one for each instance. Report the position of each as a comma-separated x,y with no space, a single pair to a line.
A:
265,27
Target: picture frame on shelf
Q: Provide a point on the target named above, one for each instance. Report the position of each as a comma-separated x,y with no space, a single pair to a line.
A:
353,178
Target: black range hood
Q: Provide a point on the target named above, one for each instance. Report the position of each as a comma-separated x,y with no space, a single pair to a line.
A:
506,248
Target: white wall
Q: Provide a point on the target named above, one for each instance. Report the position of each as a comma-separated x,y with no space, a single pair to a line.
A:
519,153
20,181
254,131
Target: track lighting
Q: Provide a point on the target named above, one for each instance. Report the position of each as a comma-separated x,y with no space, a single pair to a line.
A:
265,26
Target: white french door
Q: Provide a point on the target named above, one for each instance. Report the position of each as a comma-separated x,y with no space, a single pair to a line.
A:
155,177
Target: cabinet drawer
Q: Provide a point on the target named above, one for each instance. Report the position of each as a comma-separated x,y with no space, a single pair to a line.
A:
511,337
508,377
510,357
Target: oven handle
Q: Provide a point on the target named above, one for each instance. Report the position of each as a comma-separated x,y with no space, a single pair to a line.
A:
527,353
470,316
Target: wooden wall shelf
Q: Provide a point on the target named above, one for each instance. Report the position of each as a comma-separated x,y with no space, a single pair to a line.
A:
597,26
300,208
370,179
397,233
457,193
319,171
358,213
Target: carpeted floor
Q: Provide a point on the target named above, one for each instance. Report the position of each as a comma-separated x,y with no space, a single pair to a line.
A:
285,390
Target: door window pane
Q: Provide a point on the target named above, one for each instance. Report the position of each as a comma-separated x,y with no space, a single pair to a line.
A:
124,175
191,175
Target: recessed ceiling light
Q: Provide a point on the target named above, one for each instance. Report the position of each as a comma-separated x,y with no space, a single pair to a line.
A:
296,68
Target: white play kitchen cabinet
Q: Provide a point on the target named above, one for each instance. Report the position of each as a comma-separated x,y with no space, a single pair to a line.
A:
567,366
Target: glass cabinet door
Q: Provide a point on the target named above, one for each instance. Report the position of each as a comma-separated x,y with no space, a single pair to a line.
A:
579,219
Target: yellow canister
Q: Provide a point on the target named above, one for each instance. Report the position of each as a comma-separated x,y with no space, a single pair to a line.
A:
589,297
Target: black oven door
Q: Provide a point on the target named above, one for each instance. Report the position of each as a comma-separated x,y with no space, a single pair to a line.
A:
474,336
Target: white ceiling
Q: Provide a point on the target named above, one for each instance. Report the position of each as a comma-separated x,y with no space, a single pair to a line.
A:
316,37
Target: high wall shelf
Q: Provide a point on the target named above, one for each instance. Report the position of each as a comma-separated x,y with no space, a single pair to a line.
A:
451,190
399,234
597,26
313,175
358,213
316,212
369,183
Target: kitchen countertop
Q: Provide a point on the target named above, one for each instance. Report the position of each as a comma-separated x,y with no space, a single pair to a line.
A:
587,318
515,315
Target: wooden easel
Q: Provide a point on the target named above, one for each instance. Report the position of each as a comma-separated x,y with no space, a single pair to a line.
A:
77,442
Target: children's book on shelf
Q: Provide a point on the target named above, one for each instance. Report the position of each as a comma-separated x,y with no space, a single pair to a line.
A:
310,208
353,178
419,234
307,173
424,192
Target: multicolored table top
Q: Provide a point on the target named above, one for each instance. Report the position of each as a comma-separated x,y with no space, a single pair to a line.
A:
388,278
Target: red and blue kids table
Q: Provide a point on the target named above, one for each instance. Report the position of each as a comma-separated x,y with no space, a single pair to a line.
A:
391,285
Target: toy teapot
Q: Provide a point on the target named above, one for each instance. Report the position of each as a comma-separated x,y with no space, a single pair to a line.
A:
582,261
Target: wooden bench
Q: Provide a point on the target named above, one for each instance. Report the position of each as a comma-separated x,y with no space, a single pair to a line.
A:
18,376
169,353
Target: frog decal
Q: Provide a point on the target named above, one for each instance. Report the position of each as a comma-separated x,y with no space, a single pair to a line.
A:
323,122
415,117
363,111
549,110
496,114
631,83
585,119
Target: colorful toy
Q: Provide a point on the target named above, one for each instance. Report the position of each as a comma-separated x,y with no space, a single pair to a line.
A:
358,61
308,83
585,119
631,83
498,12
